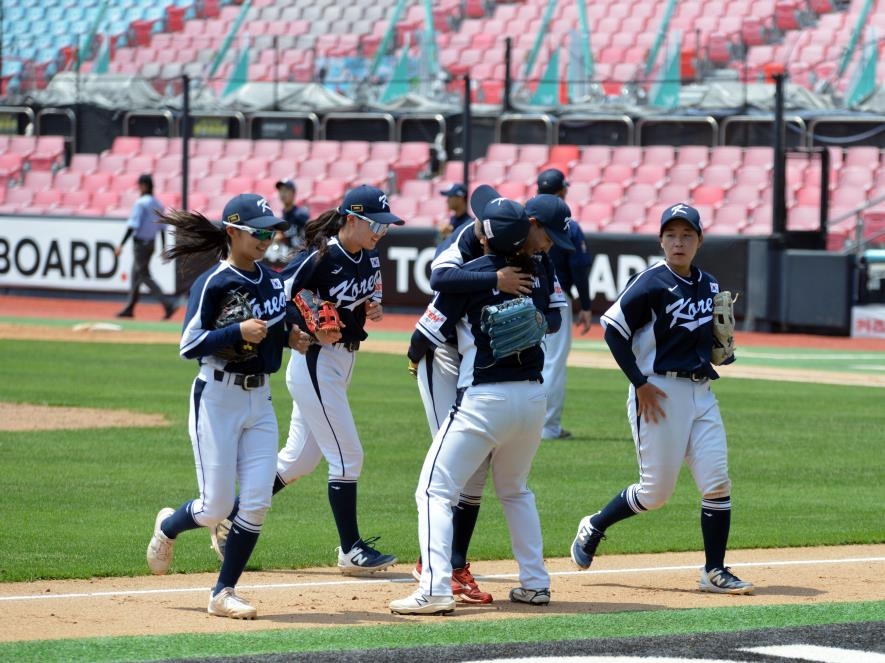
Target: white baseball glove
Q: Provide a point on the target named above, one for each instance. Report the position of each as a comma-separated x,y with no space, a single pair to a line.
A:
723,327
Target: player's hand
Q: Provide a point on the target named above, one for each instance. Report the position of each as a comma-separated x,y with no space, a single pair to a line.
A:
648,403
413,369
374,310
329,336
584,321
299,340
253,330
514,282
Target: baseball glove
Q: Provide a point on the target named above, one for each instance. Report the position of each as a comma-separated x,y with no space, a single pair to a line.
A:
723,327
318,315
513,326
234,309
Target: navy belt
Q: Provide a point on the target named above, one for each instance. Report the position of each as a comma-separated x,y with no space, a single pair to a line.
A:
687,375
351,346
246,381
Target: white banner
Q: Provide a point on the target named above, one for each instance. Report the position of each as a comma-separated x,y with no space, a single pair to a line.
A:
868,322
71,253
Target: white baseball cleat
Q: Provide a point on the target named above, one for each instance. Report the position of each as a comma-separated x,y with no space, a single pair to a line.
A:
159,550
723,581
226,603
421,604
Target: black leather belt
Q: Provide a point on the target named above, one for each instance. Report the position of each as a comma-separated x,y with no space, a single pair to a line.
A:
687,375
247,382
352,346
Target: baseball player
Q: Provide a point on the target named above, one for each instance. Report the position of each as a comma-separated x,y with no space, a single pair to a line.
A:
456,201
143,229
232,423
342,266
572,269
437,370
660,332
497,416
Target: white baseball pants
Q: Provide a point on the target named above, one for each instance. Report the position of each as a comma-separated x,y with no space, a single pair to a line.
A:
502,420
556,349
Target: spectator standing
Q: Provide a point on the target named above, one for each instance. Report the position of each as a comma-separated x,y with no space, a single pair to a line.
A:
456,199
143,228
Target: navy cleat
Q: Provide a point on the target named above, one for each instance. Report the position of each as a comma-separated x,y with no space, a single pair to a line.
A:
586,541
363,559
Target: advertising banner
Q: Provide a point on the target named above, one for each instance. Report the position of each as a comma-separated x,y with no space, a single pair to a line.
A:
71,253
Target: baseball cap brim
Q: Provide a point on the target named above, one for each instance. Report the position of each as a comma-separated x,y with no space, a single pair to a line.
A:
560,238
285,183
263,222
383,217
482,196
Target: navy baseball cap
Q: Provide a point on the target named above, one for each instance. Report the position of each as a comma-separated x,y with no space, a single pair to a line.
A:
551,180
287,183
371,203
553,214
682,211
504,222
250,209
455,189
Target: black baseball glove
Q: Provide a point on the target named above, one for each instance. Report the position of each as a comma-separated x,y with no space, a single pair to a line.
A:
234,309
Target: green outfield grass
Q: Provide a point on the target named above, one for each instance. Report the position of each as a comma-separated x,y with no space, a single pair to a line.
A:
805,461
544,628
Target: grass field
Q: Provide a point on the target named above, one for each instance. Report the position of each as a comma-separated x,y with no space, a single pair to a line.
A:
805,461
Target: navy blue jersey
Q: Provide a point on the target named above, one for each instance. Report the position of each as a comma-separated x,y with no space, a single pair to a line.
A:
267,296
572,268
668,319
348,280
461,313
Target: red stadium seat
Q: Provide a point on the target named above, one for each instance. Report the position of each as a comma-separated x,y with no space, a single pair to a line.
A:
155,145
416,189
643,193
565,154
237,185
707,195
619,173
209,147
598,155
270,149
506,153
225,166
11,168
608,192
254,167
49,153
97,181
126,145
695,155
515,190
36,180
239,148
105,200
356,151
687,174
718,175
803,218
537,154
343,170
325,150
659,155
588,173
67,180
524,173
630,155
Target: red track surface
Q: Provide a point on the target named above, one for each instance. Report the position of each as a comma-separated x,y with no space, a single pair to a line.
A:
61,308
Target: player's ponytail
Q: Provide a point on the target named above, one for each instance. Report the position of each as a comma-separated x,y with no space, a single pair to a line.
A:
194,235
318,231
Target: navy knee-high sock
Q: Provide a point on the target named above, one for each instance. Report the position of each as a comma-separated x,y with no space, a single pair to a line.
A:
715,526
240,544
342,499
278,485
464,517
180,521
616,510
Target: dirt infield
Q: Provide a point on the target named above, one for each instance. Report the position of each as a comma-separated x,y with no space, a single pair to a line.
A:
310,598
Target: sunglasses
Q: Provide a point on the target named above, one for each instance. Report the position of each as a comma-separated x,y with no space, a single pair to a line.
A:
375,227
261,234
